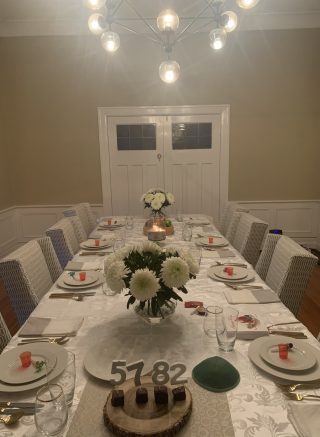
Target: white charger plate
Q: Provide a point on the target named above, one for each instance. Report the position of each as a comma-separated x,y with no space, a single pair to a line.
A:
279,375
217,269
62,360
12,372
74,281
60,283
300,358
238,273
217,242
90,244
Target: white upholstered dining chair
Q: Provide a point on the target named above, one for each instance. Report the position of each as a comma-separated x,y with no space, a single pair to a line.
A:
249,237
233,226
265,257
5,335
226,218
78,228
289,272
26,278
64,240
81,211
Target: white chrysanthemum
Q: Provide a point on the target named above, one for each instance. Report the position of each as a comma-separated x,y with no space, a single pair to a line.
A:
124,251
152,190
175,272
144,284
171,250
189,259
170,198
148,198
115,275
156,204
142,198
148,246
160,197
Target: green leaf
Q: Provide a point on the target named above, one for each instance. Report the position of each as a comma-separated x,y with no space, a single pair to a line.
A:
131,300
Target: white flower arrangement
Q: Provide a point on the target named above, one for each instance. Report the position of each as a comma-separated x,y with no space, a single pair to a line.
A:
157,199
149,274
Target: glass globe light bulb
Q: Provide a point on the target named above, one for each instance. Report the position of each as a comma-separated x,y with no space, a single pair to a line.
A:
96,24
247,4
169,71
218,38
167,21
94,4
232,21
110,41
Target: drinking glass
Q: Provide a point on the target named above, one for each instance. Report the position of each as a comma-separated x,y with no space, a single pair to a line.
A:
187,232
196,254
120,239
67,379
226,328
209,321
129,222
51,411
179,216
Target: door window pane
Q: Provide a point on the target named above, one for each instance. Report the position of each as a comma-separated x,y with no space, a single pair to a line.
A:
136,137
191,136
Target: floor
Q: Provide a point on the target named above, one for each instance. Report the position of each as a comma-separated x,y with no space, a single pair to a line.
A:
309,313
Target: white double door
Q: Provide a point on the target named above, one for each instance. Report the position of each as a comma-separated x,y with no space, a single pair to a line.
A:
180,154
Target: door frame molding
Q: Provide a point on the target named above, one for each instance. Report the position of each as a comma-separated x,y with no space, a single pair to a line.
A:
105,112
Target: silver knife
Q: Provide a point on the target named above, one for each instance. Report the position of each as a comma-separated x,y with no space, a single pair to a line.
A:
25,411
293,334
17,404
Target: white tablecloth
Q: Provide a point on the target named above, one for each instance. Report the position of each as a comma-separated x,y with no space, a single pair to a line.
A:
257,406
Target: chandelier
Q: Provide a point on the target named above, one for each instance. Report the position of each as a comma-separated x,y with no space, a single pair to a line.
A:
166,33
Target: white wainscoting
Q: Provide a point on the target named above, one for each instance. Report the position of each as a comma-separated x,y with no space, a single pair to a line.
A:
299,220
23,223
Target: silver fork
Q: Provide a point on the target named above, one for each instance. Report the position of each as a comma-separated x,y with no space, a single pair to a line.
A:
293,387
300,397
55,340
242,287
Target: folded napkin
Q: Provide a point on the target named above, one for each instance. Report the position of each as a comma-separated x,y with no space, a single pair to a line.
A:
251,296
47,327
305,418
246,333
78,265
216,374
219,253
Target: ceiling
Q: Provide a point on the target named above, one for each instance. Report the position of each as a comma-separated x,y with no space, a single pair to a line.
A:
69,17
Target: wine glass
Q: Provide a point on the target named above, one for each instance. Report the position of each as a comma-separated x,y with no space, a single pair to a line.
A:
51,411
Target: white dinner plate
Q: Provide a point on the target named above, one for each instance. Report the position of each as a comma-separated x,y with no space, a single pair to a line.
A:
217,242
283,376
238,273
62,359
98,360
12,372
300,358
60,283
90,244
74,280
214,270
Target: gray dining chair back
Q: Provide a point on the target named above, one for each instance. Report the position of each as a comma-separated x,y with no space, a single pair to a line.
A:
64,240
5,335
249,237
81,212
90,215
78,228
265,257
233,226
226,218
26,278
289,272
50,256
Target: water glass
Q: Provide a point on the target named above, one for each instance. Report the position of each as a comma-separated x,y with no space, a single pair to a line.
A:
67,379
226,328
51,411
179,216
129,222
209,321
196,254
187,232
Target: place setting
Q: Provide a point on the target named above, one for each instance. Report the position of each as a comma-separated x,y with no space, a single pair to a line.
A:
95,244
111,224
286,359
210,242
79,281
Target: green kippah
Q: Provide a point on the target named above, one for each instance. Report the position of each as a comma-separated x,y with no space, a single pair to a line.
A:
216,374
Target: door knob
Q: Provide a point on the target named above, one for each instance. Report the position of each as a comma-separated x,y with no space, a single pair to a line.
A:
159,156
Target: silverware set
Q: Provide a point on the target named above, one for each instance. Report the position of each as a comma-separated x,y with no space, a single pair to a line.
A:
244,286
55,340
74,296
11,412
290,391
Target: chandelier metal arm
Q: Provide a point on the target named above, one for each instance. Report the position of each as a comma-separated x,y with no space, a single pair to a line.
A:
198,30
190,24
137,33
143,20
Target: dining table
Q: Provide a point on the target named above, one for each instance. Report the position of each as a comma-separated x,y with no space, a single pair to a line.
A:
255,407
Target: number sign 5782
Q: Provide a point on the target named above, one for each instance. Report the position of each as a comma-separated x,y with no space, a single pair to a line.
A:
160,372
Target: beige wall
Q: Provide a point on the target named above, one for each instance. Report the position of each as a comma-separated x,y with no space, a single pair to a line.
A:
53,86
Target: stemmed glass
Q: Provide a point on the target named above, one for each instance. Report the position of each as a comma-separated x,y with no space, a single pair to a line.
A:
51,411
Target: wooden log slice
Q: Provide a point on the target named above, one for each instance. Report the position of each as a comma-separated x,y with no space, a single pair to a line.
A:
150,419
